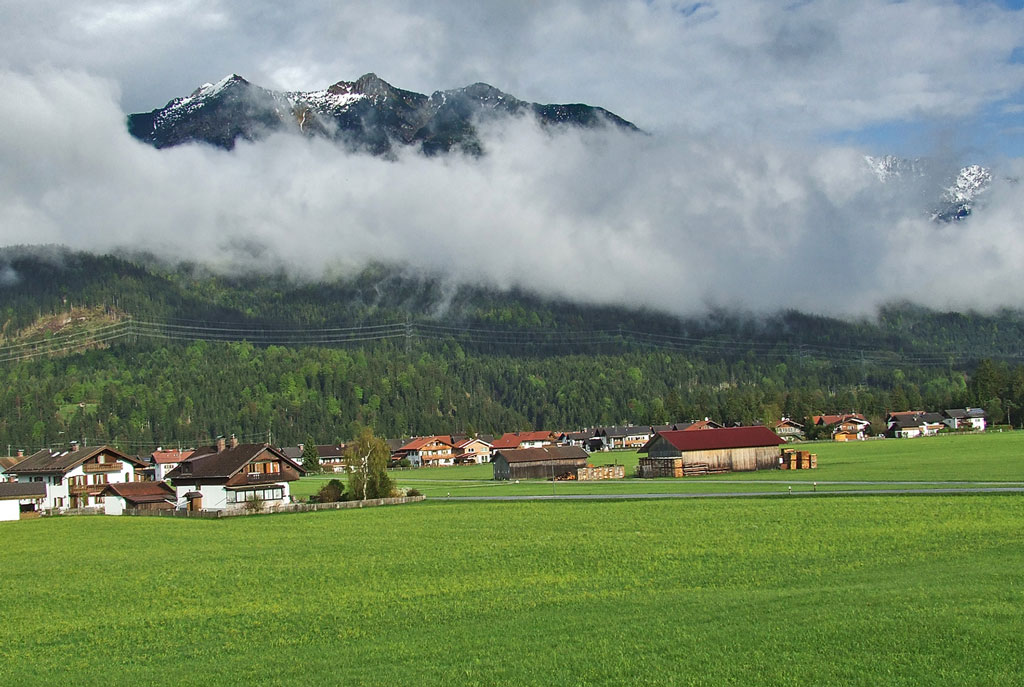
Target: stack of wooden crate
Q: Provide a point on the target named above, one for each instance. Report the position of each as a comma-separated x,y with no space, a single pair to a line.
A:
793,459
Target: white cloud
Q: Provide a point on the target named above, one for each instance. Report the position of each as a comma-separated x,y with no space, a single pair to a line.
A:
672,222
783,70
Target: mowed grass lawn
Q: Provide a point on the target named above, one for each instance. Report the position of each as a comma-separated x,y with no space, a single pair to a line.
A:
992,458
898,590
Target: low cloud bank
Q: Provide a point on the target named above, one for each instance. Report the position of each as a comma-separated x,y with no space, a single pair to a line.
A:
675,222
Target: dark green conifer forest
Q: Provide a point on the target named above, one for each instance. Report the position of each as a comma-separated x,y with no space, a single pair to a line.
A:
129,351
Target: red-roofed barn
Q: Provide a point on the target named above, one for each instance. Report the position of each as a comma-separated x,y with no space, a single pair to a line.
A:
679,453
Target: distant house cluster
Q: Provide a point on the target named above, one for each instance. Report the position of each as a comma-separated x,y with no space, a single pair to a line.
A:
908,424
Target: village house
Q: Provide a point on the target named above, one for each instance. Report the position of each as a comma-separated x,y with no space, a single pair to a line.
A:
472,450
432,451
965,418
226,476
628,437
75,477
332,457
789,430
548,462
142,496
21,500
165,460
679,453
586,439
915,423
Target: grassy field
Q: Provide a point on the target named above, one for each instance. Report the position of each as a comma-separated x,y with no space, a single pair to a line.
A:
991,458
925,590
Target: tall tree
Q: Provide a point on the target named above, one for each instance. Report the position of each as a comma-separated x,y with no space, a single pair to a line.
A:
367,458
310,456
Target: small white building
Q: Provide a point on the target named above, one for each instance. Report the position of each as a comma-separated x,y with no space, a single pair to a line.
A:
75,477
119,496
19,500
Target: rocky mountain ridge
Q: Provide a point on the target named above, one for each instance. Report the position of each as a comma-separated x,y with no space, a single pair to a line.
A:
368,114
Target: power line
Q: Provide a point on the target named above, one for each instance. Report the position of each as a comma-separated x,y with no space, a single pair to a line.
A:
442,331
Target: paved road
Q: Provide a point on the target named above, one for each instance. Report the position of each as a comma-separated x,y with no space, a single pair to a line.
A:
733,494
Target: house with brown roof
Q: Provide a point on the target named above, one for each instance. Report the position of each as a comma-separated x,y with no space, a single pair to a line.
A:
226,476
120,496
75,477
546,462
679,453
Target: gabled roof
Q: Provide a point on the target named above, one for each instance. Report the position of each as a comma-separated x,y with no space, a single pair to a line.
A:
902,413
515,439
469,440
964,413
903,421
836,419
207,463
695,426
22,490
726,437
8,462
164,457
141,492
395,444
419,442
552,453
330,450
61,461
786,422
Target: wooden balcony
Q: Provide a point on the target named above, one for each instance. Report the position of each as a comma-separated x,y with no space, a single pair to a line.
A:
102,467
80,489
263,478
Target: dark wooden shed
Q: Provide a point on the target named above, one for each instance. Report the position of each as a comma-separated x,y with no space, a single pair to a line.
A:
540,463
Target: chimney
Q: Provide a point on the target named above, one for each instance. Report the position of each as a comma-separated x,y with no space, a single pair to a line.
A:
234,441
21,453
220,444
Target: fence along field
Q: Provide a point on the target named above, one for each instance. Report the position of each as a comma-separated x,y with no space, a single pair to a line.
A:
855,591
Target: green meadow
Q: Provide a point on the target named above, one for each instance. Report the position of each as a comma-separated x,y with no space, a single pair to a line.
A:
888,590
992,459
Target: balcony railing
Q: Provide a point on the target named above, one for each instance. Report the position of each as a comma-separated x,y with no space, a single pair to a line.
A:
261,477
102,467
78,489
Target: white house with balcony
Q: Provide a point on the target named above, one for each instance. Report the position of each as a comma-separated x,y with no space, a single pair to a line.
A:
75,477
227,476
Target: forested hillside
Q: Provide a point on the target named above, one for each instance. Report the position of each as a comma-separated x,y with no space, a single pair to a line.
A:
137,353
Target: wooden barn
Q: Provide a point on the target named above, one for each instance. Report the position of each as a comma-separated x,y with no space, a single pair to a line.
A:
545,463
680,453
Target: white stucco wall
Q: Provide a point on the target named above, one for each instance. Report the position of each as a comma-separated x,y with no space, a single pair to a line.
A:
9,509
